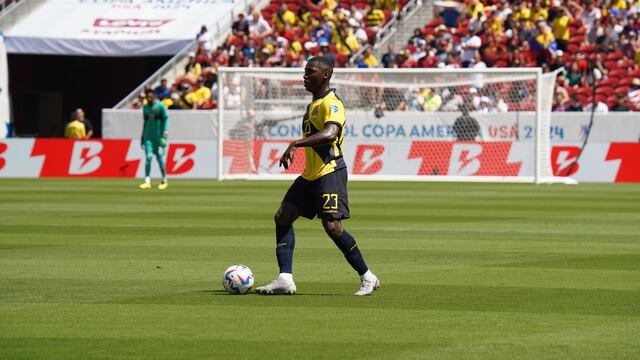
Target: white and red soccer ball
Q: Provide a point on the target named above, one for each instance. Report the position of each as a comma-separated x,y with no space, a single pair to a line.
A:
237,279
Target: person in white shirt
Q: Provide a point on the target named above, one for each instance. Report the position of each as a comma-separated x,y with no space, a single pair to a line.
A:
601,108
258,26
590,14
470,47
634,92
205,37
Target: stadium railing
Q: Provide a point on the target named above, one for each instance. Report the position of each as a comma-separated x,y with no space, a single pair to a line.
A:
389,29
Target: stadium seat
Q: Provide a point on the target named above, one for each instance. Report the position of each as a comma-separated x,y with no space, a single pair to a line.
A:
611,64
604,90
621,90
435,22
626,64
614,56
584,91
618,73
587,48
608,82
624,82
577,40
428,31
272,7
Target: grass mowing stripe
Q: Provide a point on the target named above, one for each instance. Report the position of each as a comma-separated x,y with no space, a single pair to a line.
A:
99,269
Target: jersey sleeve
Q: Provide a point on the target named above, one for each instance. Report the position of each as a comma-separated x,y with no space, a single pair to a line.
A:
332,111
164,114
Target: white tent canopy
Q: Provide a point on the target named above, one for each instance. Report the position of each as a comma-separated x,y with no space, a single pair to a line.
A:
113,27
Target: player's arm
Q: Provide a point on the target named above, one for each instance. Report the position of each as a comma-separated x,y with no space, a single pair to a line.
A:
325,136
165,122
144,127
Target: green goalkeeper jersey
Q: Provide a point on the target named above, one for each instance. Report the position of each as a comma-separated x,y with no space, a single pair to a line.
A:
156,121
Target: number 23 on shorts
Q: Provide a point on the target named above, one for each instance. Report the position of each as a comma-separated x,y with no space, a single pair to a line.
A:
330,202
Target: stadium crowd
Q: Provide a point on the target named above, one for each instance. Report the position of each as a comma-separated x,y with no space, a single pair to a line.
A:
576,36
283,34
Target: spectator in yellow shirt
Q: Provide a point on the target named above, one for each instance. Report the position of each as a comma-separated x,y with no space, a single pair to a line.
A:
542,44
544,37
619,4
193,69
523,12
538,13
369,59
374,18
560,27
495,23
75,130
282,17
388,5
476,9
344,39
202,94
432,100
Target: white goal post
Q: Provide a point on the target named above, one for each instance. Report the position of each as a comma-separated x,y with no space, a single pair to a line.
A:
476,125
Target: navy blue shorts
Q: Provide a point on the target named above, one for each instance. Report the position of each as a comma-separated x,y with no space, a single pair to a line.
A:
325,197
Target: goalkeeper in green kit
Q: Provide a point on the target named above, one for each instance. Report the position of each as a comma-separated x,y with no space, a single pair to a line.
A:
154,137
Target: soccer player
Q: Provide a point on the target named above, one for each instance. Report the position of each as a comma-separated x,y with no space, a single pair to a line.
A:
321,190
154,137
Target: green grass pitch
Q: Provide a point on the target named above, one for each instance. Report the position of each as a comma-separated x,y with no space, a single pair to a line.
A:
100,269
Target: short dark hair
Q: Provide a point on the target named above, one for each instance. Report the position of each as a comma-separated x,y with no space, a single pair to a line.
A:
323,61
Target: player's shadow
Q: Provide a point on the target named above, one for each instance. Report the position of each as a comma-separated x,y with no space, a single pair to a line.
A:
224,293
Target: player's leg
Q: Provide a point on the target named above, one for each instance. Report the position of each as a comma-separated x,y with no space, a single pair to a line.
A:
297,202
148,154
285,243
332,205
347,244
159,153
285,236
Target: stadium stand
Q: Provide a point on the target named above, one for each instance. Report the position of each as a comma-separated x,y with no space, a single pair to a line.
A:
575,36
284,34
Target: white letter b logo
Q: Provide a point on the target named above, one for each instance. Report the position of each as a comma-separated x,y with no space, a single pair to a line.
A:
84,158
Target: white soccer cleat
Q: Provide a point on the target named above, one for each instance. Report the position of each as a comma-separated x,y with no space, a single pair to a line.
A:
278,286
368,286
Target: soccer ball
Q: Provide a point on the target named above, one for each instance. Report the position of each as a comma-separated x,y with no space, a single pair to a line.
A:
237,279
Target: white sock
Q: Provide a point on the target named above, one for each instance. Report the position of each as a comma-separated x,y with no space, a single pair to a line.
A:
147,180
367,276
286,276
164,179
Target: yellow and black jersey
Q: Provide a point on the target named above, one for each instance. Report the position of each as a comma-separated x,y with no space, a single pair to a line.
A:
324,159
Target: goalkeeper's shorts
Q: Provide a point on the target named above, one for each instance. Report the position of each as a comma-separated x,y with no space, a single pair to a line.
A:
153,146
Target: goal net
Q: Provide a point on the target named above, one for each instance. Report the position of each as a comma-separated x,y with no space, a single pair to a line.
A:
402,124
